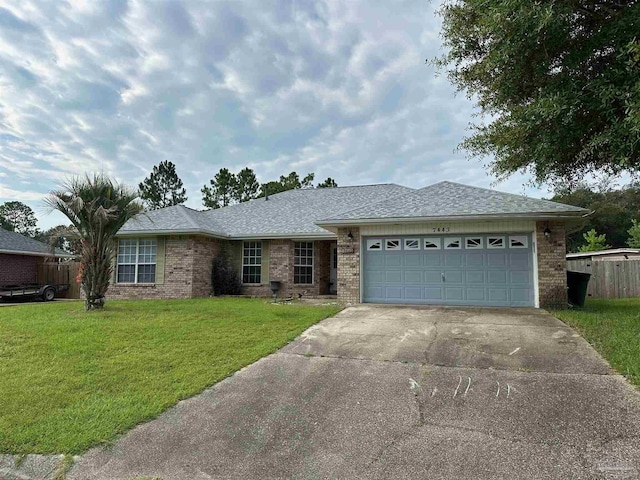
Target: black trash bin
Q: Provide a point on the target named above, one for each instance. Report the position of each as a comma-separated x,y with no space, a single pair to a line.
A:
577,283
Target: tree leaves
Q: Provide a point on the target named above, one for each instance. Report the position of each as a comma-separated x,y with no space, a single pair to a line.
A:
559,83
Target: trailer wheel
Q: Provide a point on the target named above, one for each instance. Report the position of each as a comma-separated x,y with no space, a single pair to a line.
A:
49,294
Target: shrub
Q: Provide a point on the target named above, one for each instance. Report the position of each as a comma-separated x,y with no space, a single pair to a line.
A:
224,277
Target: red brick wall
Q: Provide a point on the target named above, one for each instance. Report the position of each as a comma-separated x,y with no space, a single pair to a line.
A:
17,269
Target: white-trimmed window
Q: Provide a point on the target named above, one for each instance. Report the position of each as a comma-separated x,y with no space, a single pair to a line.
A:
432,243
303,263
495,242
453,243
518,241
392,244
252,262
374,244
473,243
136,261
411,244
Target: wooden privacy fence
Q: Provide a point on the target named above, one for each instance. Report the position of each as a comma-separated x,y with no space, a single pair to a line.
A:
610,278
60,273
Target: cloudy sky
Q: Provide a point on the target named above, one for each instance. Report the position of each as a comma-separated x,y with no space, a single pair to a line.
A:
339,88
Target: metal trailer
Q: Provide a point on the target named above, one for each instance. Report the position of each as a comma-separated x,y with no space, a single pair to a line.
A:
46,292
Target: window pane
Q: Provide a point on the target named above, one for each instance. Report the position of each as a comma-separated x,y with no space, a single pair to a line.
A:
126,274
303,263
146,274
251,261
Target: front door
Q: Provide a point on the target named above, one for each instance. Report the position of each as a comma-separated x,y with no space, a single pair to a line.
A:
333,275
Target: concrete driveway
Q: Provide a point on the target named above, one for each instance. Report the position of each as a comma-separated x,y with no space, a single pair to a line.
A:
380,392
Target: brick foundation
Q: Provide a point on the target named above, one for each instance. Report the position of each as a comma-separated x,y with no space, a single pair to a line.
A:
552,266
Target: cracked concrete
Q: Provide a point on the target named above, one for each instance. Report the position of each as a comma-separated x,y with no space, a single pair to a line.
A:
398,392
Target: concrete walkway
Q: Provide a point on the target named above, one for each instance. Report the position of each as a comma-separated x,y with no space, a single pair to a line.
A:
379,392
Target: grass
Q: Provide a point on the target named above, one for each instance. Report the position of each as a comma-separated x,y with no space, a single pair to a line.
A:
613,328
71,379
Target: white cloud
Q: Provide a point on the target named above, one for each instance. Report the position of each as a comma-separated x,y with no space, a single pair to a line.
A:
338,88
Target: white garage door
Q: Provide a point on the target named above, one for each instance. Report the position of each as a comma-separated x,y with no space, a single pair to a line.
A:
485,270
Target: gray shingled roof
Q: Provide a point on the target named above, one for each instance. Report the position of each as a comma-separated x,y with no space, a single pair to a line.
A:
287,213
450,199
178,218
298,212
11,242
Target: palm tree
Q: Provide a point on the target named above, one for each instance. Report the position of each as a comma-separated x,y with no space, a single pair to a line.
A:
97,208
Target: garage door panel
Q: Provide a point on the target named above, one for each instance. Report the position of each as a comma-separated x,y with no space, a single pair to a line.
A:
519,260
393,293
433,293
475,259
520,277
413,277
453,276
413,293
497,259
497,276
432,260
432,276
476,294
498,294
475,277
375,260
522,295
392,260
393,276
453,259
412,260
456,294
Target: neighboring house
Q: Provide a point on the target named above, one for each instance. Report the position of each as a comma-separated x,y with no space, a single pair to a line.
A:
611,254
447,243
20,257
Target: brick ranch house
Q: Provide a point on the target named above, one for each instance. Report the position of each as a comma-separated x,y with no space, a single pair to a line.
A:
445,244
20,257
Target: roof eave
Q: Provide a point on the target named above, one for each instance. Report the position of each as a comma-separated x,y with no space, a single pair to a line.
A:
37,254
281,236
183,231
511,216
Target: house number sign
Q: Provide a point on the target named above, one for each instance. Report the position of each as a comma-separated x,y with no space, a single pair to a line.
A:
441,229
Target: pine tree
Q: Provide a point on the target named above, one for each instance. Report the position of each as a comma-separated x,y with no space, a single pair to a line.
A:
247,185
221,190
162,188
594,241
634,235
328,183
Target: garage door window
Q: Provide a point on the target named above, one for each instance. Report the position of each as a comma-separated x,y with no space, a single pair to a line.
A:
411,244
432,244
495,242
392,244
518,241
374,244
303,263
452,244
473,243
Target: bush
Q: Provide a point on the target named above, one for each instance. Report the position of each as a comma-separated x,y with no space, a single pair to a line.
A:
224,277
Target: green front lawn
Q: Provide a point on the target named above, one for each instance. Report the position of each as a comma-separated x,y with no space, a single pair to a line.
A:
70,379
613,328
